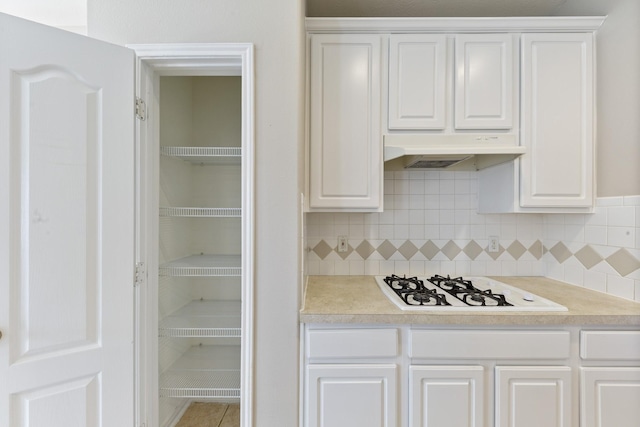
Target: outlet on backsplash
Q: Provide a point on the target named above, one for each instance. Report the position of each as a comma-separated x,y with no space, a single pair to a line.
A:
343,243
494,244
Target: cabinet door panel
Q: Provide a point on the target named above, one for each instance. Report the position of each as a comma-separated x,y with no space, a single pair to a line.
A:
610,397
557,116
446,396
532,396
351,395
484,81
345,148
417,69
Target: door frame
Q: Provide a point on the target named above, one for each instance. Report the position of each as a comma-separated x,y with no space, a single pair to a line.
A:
209,59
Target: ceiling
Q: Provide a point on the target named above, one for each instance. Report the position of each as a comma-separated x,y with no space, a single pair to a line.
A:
432,7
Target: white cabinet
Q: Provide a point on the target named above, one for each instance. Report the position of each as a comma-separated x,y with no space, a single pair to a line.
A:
345,142
610,386
417,81
610,396
557,120
479,85
444,395
485,88
533,396
351,377
351,395
431,377
556,174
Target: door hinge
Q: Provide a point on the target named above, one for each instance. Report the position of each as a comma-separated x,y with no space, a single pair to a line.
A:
141,109
141,274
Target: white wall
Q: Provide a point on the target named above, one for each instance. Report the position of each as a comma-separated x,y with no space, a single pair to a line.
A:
275,27
70,15
618,93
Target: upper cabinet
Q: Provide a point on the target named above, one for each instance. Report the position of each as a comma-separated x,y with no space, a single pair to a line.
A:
482,74
417,80
556,174
485,66
558,116
483,83
345,143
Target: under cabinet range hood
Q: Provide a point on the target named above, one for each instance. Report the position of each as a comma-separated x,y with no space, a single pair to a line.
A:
453,152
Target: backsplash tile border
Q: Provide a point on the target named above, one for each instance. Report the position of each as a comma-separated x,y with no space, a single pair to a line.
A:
430,227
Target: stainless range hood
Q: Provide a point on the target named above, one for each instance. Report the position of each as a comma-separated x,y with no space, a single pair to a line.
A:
452,152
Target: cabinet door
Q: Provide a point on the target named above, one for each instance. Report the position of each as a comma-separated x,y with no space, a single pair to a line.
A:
417,74
484,88
557,120
345,146
446,396
532,396
351,395
610,397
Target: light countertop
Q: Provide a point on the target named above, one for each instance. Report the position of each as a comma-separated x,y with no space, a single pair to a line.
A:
357,299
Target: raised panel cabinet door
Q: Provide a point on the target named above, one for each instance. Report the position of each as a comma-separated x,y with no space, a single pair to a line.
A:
557,120
345,145
351,395
417,81
449,396
610,397
66,228
484,83
533,396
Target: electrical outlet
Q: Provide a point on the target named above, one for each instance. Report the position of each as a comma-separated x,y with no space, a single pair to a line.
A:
494,244
343,243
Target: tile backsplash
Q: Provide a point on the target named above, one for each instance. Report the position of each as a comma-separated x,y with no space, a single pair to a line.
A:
430,226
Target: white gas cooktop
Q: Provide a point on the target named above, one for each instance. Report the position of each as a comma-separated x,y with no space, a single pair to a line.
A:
477,294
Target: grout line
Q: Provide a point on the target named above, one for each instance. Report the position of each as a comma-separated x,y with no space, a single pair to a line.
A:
226,409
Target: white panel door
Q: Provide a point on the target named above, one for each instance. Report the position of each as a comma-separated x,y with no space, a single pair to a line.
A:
610,397
532,396
66,229
484,89
345,143
446,396
351,396
557,120
417,81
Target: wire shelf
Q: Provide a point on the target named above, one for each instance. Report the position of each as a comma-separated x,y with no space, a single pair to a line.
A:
204,372
203,266
200,212
204,154
204,318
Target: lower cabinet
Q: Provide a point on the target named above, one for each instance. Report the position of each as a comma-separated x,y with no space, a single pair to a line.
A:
610,386
610,397
352,395
446,396
448,377
533,396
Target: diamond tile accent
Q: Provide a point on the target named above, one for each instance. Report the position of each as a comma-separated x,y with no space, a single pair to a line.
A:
472,250
429,250
365,249
516,249
560,252
386,249
408,249
322,249
588,256
623,262
537,250
451,250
